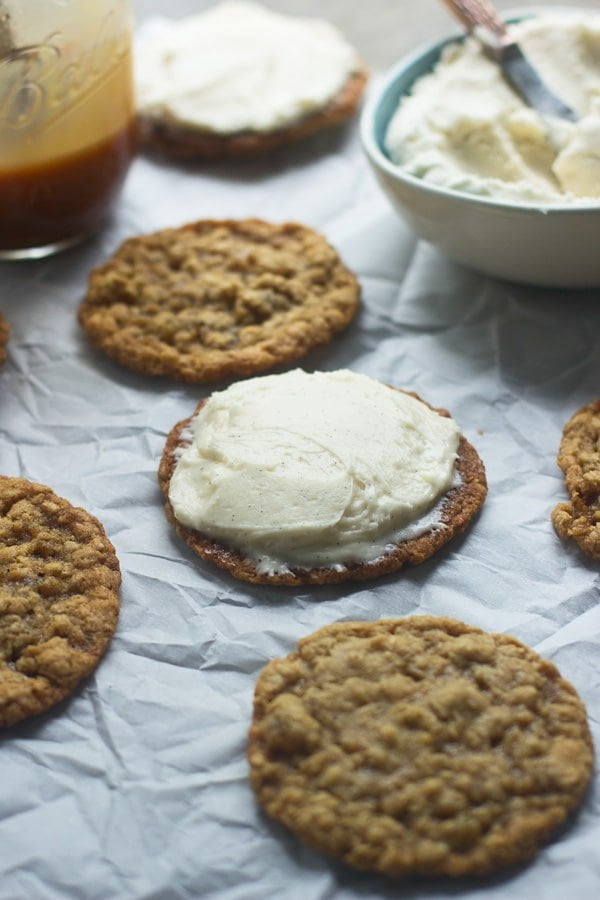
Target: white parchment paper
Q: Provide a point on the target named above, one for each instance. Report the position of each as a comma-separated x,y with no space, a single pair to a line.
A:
137,786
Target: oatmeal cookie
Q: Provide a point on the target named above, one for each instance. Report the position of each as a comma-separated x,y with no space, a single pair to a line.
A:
460,505
216,299
418,745
4,331
59,601
184,143
579,458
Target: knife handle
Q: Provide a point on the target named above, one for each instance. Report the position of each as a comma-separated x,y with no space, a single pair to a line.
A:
480,13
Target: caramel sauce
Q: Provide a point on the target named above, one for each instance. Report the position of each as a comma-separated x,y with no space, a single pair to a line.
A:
63,198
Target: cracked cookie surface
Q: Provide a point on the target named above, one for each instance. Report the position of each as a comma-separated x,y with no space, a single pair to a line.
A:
460,506
4,331
418,745
579,458
59,601
216,299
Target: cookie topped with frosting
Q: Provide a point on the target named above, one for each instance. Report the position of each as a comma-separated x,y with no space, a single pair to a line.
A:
309,478
240,79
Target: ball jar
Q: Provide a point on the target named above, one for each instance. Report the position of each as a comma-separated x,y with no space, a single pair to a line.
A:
67,119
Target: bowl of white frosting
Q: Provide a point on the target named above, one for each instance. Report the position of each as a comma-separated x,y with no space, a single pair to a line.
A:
491,182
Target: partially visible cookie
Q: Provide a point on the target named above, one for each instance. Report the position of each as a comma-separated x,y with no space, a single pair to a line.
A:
456,508
4,332
59,601
216,299
418,745
240,80
579,458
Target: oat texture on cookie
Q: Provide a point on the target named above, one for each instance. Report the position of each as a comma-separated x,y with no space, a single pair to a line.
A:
59,601
579,458
216,299
418,745
4,331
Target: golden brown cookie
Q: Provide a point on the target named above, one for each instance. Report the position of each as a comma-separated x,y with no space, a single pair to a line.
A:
59,601
579,458
4,332
185,143
418,745
216,299
460,506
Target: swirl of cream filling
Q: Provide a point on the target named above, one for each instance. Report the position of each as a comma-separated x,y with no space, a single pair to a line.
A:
301,470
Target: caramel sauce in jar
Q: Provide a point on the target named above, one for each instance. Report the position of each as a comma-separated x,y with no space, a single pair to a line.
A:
67,129
65,198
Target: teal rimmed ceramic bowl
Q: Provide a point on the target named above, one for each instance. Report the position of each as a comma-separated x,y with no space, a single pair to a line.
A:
553,246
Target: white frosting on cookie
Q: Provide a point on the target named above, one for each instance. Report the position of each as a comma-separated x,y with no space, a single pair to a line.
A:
314,470
239,67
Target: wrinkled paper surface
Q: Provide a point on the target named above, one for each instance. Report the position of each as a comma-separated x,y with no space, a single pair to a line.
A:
137,786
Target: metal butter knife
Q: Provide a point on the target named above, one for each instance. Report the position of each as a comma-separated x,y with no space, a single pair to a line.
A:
516,68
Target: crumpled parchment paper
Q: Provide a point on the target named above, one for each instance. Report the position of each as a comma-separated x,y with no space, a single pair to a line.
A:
137,786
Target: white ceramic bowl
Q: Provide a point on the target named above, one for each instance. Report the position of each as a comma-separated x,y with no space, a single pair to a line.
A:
553,246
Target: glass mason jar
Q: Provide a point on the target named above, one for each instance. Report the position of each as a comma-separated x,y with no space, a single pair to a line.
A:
67,122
